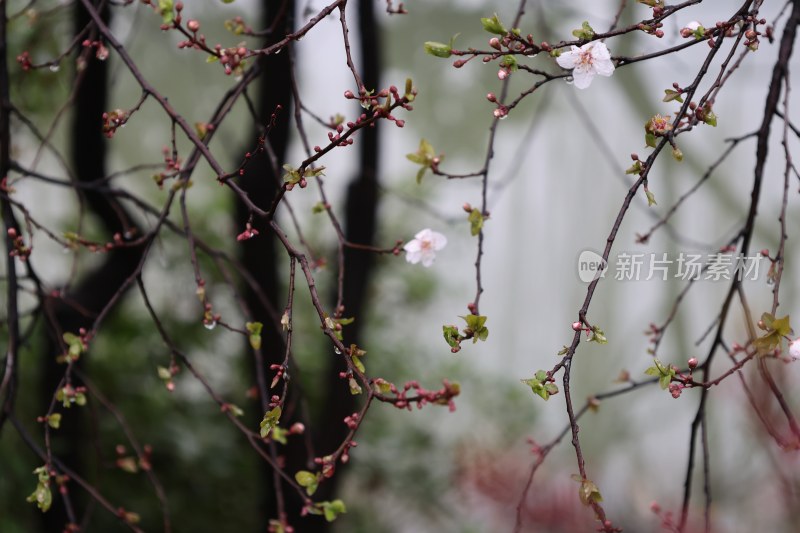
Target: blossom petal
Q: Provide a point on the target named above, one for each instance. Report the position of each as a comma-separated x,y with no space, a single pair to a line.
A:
582,77
413,246
599,51
604,67
569,59
438,240
413,257
794,349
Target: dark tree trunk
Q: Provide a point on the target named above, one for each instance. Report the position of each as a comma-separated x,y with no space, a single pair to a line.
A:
95,290
262,255
360,227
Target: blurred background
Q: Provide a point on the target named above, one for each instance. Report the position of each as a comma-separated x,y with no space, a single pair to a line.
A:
555,185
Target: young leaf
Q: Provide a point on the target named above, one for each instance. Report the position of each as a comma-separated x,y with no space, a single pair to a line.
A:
438,49
54,420
307,480
333,509
493,25
254,328
271,419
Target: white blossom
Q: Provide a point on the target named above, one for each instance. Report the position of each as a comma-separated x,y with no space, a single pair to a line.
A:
587,61
423,247
794,349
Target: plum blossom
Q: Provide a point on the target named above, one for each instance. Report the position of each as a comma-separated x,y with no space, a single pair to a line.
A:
423,247
794,349
587,61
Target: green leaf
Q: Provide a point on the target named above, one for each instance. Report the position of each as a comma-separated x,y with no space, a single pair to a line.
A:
451,336
356,354
279,434
665,373
651,198
475,323
636,168
585,33
671,94
438,49
333,509
164,373
355,388
777,329
74,345
589,493
476,219
271,419
254,328
493,25
54,420
540,385
650,139
42,495
165,8
598,336
510,62
677,154
307,480
710,118
382,386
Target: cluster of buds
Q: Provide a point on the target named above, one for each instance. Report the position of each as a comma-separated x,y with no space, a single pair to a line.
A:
232,59
248,233
172,164
24,60
328,464
279,370
20,250
101,52
274,401
653,29
196,41
500,111
352,421
209,318
513,43
131,464
69,395
693,29
345,457
113,120
381,104
336,139
751,39
422,396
